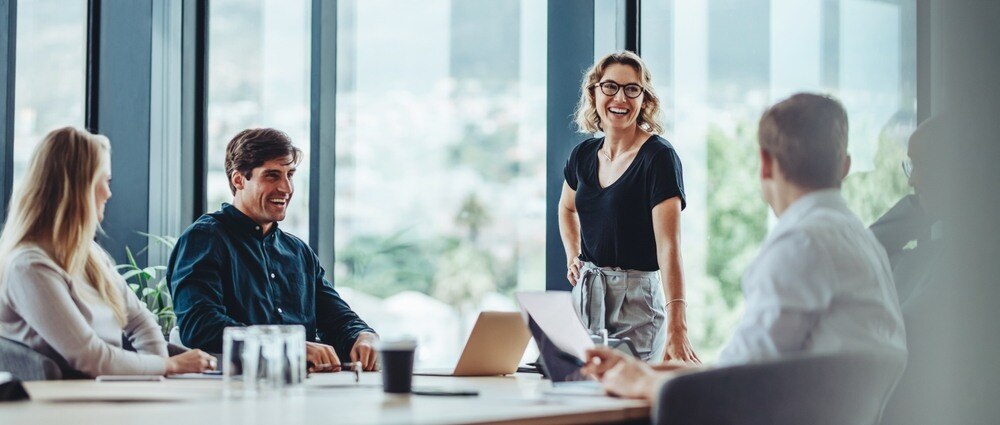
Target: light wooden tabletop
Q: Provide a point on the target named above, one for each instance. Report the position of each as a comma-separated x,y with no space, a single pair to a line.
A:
324,399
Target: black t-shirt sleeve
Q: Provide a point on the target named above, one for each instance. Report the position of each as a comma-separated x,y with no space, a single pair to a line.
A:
666,179
571,166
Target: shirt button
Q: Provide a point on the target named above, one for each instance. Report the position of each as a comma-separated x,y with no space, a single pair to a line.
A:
272,275
279,310
257,227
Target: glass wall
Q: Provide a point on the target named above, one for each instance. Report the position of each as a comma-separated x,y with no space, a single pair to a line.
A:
719,64
50,74
440,181
258,76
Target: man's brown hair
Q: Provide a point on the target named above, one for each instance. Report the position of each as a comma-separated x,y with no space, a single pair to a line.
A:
807,135
252,147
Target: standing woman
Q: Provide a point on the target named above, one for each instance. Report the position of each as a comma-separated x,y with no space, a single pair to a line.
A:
619,214
59,292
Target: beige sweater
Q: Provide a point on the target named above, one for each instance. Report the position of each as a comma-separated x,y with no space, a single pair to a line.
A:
63,317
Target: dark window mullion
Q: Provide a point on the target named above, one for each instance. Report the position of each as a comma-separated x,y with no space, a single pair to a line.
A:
633,33
93,65
8,52
200,118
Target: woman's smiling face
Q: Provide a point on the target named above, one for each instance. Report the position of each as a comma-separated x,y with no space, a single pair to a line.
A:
618,111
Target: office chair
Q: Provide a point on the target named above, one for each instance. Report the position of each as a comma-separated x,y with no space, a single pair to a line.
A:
815,389
25,363
172,348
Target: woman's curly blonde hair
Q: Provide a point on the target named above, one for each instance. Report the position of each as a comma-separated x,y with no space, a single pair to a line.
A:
587,120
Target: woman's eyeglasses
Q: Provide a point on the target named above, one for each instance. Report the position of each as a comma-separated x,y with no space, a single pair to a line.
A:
610,88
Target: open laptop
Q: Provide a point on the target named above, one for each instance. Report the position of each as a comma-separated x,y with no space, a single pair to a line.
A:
495,347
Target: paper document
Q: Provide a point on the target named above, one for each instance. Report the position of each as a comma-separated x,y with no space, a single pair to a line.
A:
553,312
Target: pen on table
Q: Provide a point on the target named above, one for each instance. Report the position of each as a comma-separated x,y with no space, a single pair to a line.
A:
356,368
346,367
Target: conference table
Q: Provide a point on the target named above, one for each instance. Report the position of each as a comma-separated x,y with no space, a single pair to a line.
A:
331,398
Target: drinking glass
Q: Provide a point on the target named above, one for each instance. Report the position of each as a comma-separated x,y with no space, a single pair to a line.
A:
240,354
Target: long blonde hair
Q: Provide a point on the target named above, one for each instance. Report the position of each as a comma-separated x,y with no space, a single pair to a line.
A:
54,207
587,120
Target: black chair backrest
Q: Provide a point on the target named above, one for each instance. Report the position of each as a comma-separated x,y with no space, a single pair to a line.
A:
819,389
172,349
25,363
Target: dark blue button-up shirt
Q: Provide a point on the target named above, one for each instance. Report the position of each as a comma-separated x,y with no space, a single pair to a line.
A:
225,272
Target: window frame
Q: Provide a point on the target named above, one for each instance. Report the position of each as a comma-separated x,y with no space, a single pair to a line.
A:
8,47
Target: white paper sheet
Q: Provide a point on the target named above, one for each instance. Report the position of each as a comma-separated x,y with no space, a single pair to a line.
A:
553,312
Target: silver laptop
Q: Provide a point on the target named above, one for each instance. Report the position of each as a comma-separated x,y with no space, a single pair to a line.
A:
495,347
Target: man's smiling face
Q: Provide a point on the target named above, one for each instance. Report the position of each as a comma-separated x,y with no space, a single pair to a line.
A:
265,195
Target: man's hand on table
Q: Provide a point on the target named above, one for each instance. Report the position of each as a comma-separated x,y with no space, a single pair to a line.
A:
322,357
364,351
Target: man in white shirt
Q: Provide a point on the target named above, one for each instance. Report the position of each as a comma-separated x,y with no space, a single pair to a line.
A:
821,282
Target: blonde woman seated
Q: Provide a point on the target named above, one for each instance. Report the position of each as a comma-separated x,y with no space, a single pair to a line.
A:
59,293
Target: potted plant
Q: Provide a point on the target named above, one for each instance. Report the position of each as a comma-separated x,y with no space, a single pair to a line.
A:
150,284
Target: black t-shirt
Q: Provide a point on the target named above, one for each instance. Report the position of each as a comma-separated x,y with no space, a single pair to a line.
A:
616,222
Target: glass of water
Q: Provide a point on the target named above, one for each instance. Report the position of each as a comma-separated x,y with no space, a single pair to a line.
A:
282,356
239,366
295,353
263,358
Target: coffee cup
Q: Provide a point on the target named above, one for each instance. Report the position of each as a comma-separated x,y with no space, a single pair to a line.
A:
397,365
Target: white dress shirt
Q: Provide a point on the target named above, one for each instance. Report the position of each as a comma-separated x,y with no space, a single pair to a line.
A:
820,284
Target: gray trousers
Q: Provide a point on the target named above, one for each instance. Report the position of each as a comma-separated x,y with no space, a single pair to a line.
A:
628,303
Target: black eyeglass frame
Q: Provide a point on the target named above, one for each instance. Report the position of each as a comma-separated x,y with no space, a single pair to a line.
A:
619,86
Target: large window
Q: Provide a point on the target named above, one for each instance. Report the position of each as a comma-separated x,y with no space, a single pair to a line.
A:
259,77
440,181
50,72
718,64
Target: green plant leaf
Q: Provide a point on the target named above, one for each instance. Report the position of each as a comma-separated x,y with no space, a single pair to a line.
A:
153,292
131,260
131,274
167,241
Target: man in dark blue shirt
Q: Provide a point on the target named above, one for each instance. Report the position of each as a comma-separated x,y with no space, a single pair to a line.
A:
235,267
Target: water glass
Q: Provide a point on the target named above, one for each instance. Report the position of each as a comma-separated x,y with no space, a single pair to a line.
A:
295,353
281,357
263,358
238,364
